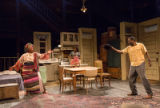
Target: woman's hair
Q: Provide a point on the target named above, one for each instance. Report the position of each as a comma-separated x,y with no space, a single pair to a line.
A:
27,47
76,49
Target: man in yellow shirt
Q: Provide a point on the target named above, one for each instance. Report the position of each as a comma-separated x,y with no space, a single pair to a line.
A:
136,52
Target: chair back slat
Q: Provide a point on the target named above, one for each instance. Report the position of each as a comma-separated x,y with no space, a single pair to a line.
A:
61,72
91,73
99,64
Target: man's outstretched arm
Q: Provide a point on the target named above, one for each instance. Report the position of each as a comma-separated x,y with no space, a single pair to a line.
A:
108,46
117,50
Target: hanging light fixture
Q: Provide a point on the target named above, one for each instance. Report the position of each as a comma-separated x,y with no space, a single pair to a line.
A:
83,9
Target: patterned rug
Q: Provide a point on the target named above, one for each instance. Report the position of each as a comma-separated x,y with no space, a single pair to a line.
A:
83,101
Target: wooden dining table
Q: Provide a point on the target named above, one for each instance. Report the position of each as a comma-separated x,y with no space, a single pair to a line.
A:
81,65
78,70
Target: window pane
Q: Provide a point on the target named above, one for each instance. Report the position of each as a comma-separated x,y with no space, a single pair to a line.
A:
42,50
42,44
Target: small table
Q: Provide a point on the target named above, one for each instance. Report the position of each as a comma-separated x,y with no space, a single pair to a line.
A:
78,70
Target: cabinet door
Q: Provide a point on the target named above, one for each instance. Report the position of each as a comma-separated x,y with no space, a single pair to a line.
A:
88,45
42,41
52,72
149,36
126,29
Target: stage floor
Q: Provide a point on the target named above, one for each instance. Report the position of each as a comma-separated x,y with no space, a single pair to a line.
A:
118,90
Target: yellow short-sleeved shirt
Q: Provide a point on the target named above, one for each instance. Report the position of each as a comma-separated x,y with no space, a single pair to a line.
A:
136,54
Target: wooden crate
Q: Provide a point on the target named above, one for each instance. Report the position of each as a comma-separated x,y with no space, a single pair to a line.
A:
115,72
9,91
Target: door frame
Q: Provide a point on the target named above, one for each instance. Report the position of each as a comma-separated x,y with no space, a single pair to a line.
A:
147,23
123,43
94,32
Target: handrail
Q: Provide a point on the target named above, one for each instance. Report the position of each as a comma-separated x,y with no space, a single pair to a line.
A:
6,62
8,57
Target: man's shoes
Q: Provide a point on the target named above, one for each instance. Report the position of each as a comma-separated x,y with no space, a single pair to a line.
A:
132,94
149,96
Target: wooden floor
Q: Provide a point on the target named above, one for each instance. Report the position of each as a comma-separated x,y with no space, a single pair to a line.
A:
118,89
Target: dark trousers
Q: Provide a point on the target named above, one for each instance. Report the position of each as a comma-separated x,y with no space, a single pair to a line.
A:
133,74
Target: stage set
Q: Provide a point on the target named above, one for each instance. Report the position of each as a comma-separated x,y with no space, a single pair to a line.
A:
79,64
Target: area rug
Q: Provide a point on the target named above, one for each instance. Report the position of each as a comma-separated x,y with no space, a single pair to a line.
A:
84,101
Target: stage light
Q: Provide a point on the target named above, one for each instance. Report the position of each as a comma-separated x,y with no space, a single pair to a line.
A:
83,9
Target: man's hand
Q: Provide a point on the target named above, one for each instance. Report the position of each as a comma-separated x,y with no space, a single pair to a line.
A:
11,68
149,60
149,63
107,46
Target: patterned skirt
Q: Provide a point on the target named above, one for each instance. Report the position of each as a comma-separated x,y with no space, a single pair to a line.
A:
31,78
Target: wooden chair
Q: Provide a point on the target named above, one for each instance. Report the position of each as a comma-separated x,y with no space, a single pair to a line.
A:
103,76
64,80
79,77
89,76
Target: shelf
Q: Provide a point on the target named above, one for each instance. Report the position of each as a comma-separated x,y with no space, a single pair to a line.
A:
42,47
66,48
56,53
42,41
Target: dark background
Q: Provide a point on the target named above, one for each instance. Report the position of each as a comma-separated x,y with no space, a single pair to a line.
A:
20,18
